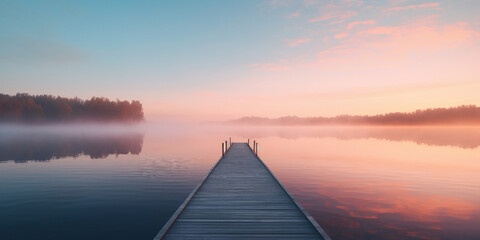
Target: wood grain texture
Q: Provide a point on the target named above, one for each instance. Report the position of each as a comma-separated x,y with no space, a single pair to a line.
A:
240,198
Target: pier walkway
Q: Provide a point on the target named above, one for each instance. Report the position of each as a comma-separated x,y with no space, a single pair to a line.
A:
240,198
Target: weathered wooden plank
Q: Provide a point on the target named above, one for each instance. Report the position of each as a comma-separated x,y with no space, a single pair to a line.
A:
240,198
244,236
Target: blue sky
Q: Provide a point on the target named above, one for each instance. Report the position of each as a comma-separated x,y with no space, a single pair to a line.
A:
187,59
155,43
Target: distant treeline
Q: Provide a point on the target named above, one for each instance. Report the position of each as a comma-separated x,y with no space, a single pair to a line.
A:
23,107
462,115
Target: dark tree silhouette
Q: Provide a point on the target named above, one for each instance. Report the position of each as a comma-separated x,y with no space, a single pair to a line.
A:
461,115
47,108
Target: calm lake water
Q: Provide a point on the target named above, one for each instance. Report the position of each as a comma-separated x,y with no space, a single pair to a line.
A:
122,183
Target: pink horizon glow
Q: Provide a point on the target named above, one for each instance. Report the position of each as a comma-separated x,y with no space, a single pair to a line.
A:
314,59
352,76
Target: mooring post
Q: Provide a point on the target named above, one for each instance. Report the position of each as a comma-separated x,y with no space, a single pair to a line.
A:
226,146
230,142
223,150
256,149
253,147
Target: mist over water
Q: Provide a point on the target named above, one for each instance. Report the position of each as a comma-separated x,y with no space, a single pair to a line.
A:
124,182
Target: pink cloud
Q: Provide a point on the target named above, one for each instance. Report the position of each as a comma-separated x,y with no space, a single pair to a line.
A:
388,46
341,35
353,24
379,47
425,36
296,42
335,15
427,5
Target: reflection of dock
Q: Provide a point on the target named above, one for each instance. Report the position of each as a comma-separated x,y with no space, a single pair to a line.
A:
241,199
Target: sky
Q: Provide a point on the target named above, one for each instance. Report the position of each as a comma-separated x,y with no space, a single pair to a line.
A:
220,60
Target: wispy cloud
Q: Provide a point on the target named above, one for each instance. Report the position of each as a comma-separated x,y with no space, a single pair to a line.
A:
390,45
335,15
353,24
296,42
427,5
341,35
385,46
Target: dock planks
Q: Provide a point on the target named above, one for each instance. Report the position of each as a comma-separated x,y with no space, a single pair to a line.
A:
240,198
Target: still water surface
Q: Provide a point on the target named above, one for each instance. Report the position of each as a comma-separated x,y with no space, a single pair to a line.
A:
123,183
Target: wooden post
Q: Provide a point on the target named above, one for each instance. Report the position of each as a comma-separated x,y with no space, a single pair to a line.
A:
226,146
253,147
230,142
256,149
223,150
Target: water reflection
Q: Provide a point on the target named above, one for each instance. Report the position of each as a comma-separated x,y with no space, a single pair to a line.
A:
369,188
373,182
24,147
463,137
357,182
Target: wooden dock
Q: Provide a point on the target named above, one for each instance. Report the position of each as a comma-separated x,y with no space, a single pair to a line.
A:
240,198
